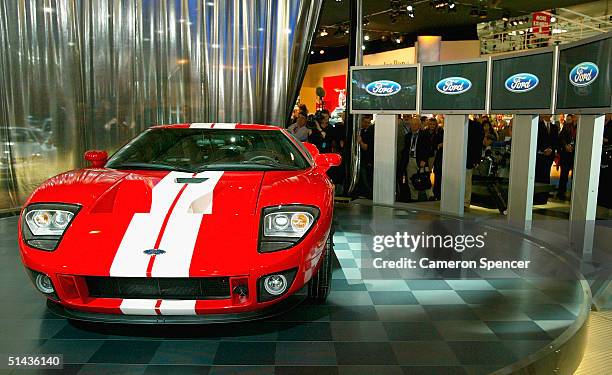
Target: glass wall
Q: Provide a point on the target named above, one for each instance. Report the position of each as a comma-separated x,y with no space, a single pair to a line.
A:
78,75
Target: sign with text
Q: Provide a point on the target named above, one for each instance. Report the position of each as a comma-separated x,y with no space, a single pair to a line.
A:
454,88
384,89
540,23
522,83
585,73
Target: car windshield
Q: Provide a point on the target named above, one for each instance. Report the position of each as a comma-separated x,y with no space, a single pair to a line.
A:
193,150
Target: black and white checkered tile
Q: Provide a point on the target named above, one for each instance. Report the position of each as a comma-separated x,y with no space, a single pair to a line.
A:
438,326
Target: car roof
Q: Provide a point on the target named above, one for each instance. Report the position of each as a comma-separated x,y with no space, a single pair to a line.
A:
218,125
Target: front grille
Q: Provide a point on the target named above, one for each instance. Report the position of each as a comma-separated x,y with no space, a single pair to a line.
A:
159,287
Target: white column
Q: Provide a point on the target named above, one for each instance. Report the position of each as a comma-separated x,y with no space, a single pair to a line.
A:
385,155
585,180
453,164
522,171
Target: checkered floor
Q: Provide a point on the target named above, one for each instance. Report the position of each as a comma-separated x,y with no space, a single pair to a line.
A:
367,326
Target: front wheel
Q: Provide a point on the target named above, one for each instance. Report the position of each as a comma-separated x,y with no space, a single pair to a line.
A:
320,284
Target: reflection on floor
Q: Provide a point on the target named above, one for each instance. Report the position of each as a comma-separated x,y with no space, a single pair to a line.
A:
367,327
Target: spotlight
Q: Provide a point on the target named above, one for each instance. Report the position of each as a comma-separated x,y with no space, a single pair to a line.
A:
506,15
483,12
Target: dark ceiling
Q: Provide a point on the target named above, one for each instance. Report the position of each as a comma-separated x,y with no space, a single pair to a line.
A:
458,25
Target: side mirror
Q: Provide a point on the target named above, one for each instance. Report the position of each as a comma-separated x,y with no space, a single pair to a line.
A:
96,158
314,151
325,161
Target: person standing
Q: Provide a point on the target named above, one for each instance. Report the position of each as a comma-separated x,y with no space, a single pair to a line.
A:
438,141
567,141
299,128
415,156
366,165
547,144
474,154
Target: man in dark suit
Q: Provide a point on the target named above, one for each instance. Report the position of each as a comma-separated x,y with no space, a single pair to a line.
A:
474,154
547,145
567,141
416,152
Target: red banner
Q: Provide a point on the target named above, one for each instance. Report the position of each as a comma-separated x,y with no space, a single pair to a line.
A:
540,23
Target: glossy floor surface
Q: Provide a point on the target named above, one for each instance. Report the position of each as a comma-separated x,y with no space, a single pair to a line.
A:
416,326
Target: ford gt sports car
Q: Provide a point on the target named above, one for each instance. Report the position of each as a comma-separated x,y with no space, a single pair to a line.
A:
186,223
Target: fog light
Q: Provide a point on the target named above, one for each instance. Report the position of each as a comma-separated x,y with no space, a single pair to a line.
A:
44,284
275,284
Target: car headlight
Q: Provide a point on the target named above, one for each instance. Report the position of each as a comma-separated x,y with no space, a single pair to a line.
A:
44,224
284,226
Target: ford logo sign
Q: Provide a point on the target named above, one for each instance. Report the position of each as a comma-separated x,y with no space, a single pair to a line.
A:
154,251
583,74
453,85
521,82
383,88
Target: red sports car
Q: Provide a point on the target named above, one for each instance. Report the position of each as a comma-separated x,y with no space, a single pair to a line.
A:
186,223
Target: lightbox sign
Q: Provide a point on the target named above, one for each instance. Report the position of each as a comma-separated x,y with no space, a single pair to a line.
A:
384,89
522,83
584,76
453,85
458,87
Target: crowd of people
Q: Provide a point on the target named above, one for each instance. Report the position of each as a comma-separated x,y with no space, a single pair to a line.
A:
420,149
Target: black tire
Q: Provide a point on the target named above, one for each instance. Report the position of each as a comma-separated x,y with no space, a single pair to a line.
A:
320,284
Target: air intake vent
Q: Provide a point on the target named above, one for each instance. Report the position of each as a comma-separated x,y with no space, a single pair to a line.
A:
158,288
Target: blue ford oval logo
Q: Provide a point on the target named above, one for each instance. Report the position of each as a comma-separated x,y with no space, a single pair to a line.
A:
583,74
154,251
521,82
383,88
453,85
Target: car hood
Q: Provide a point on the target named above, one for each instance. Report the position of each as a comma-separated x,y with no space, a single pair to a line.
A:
157,223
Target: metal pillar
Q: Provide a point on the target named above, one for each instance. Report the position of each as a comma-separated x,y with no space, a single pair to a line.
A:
522,171
585,181
385,155
453,164
352,122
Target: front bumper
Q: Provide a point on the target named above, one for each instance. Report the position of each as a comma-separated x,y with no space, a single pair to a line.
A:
281,307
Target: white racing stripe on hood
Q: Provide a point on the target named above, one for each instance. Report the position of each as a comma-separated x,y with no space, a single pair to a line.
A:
183,227
225,125
177,307
201,125
138,306
142,232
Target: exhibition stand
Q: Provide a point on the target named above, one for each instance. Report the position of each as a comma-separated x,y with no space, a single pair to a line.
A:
573,78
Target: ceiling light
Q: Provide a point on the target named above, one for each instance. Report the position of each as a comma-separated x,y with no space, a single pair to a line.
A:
553,19
323,33
362,47
312,52
321,52
366,37
366,21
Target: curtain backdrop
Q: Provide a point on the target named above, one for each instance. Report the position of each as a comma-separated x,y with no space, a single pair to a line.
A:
91,74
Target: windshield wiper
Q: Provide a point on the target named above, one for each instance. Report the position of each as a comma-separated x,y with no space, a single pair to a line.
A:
269,163
153,166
